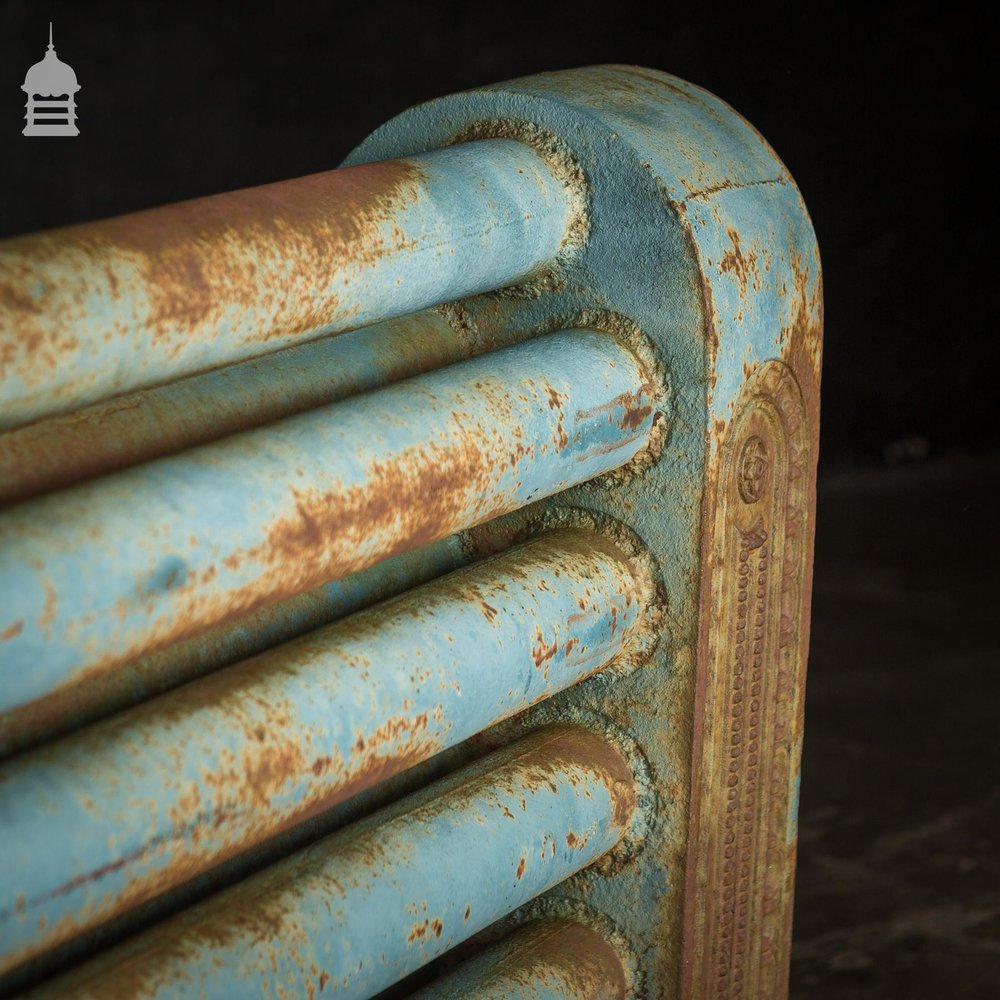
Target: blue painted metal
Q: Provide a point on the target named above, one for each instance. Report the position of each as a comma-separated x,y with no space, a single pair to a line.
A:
97,310
56,453
150,675
224,763
680,187
698,237
360,910
99,574
61,451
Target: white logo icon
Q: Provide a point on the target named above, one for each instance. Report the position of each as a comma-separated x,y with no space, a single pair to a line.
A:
50,86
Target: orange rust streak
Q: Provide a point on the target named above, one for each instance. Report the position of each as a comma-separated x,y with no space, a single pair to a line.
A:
246,786
406,504
408,501
12,631
176,271
55,453
256,908
277,755
742,265
637,405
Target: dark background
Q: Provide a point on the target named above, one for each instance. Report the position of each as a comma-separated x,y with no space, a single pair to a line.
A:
882,119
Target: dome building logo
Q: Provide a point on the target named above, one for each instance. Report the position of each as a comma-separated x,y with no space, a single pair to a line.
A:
51,87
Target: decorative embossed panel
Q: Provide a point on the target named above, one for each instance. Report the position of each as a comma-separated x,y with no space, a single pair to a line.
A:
749,703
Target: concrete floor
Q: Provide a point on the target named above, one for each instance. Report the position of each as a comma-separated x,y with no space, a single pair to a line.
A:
898,884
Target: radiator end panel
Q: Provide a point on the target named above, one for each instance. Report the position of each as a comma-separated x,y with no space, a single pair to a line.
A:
696,244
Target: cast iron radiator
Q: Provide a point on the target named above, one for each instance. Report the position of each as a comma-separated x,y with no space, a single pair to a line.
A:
404,570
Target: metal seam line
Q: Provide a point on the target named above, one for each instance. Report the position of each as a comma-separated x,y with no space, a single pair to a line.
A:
101,573
110,816
95,310
362,909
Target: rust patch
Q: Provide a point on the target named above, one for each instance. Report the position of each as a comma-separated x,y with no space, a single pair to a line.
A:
258,909
48,614
12,631
743,266
51,454
245,786
559,437
801,340
406,504
416,497
543,652
566,747
271,253
637,406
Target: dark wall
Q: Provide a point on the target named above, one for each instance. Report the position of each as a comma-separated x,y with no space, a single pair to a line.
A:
881,120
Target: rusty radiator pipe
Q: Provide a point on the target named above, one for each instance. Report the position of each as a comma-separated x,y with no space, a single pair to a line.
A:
99,574
52,454
365,907
92,311
543,960
99,695
227,762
